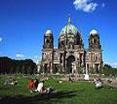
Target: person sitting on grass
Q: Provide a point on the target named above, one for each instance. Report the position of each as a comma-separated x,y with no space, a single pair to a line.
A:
98,83
36,83
31,85
42,89
70,79
14,82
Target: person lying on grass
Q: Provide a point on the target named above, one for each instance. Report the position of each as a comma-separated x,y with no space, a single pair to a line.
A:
10,81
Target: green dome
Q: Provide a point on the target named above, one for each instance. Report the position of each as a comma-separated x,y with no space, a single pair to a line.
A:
69,29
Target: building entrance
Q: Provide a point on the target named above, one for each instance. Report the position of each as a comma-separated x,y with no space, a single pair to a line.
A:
70,60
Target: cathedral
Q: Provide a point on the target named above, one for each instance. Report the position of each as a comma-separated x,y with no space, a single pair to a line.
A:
71,51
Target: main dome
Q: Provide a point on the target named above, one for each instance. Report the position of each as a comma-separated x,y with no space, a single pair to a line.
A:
69,29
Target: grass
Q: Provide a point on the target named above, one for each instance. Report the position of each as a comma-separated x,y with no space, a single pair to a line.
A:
67,93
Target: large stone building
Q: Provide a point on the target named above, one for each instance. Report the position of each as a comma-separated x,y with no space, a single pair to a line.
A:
71,50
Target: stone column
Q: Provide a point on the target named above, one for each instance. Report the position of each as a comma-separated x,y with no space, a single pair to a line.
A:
99,67
82,60
51,68
63,63
86,70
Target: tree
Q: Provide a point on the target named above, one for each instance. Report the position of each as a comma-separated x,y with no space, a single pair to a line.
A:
12,66
109,71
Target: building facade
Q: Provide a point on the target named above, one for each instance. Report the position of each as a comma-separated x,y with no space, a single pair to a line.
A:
71,50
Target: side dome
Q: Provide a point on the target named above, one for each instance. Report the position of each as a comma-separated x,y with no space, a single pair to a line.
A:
48,33
93,32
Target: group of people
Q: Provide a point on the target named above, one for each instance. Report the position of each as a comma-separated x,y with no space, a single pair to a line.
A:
38,86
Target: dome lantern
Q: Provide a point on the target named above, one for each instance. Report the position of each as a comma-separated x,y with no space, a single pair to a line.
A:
69,20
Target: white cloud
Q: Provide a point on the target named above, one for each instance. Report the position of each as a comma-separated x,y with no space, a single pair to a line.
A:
36,59
114,65
85,5
19,56
0,39
103,5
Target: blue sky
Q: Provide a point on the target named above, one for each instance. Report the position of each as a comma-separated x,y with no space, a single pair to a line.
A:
23,23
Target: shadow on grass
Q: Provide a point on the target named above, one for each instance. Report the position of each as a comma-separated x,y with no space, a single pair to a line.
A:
38,99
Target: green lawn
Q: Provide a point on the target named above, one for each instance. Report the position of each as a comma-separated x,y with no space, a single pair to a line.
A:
67,93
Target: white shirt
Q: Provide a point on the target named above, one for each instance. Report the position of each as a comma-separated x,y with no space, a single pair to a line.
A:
40,86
